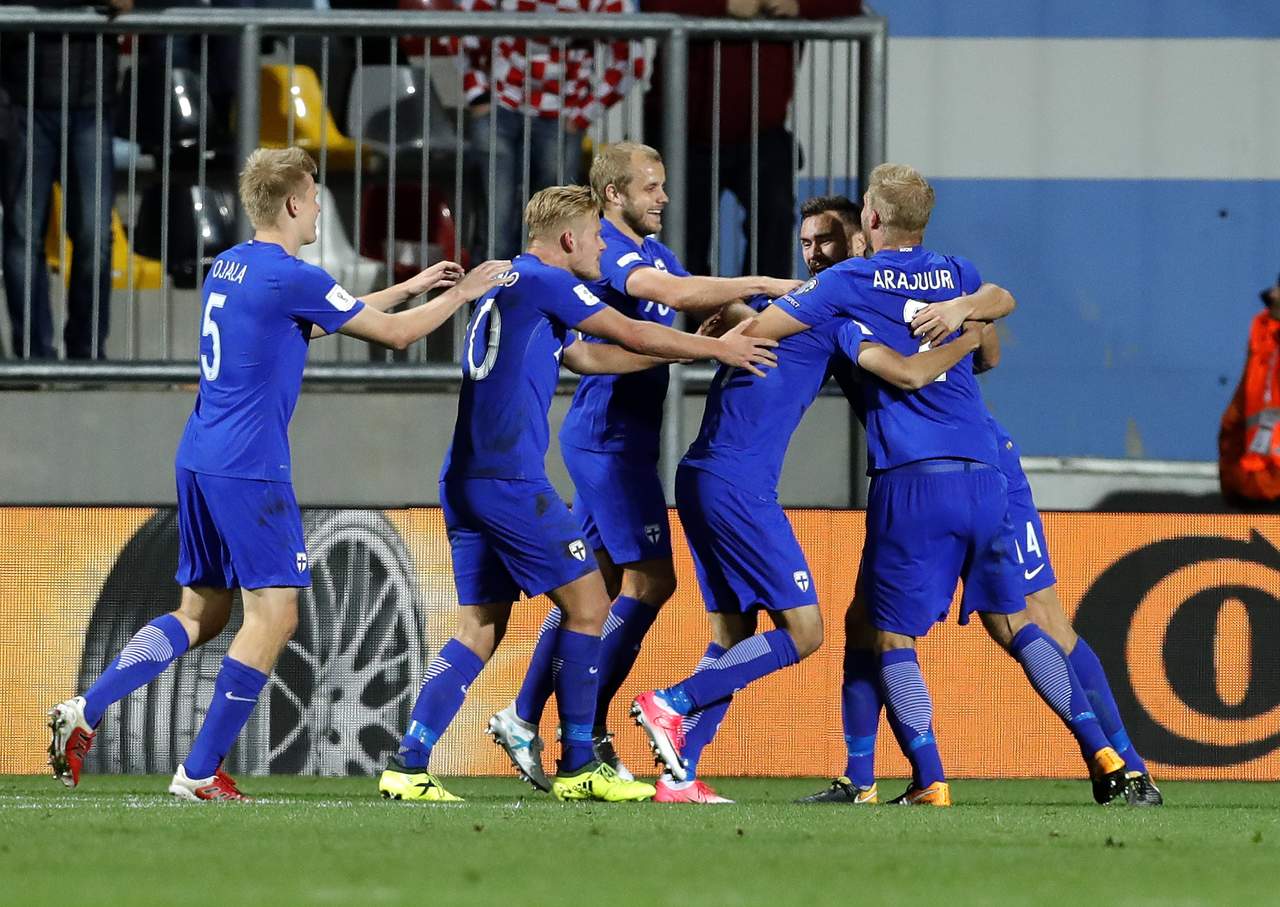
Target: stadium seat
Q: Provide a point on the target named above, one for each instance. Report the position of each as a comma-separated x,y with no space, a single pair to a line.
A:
356,273
415,45
209,212
313,124
373,91
407,248
146,271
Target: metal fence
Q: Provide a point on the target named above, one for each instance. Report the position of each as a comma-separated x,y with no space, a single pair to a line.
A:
415,174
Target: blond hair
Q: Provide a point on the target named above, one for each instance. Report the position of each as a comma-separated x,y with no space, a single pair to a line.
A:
270,176
611,166
557,206
903,197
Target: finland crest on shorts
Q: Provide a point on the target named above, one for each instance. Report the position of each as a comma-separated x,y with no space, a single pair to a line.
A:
653,532
801,578
578,549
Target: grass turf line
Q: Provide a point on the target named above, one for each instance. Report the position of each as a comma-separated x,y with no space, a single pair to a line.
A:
122,840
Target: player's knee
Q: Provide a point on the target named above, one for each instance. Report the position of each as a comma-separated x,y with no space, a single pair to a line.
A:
807,639
1003,627
652,583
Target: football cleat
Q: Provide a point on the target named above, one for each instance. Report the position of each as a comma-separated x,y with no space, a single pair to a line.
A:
522,744
664,725
401,783
936,794
220,787
602,746
69,740
1142,790
673,791
842,790
598,781
1106,770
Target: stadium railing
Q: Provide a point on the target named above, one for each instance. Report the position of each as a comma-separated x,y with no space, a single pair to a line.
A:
843,127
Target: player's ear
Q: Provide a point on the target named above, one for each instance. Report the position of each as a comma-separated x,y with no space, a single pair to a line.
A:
567,243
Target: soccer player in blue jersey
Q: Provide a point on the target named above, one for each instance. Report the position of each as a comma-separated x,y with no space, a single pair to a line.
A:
238,521
508,529
937,510
609,441
823,245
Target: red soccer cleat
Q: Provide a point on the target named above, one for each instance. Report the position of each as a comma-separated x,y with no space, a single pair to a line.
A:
672,791
663,724
220,787
70,739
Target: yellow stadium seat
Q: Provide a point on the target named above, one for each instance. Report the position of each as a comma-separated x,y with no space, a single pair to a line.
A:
146,271
312,121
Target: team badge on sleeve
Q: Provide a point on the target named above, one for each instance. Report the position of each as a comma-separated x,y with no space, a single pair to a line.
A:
805,287
628,259
340,299
801,578
578,549
581,291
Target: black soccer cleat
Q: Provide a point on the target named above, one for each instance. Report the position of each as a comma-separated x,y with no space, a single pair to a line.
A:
1142,790
1107,774
842,790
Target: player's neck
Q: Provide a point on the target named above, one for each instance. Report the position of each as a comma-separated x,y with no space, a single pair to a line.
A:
615,218
895,240
549,255
290,244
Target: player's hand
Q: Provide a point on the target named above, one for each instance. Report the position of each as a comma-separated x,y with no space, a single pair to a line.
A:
740,351
782,9
972,334
744,9
780,286
483,278
442,274
939,320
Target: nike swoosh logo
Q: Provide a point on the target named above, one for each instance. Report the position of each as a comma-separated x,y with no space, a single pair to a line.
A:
1031,574
591,670
231,695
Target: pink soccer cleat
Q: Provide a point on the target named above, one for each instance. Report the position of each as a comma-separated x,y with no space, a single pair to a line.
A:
663,725
672,791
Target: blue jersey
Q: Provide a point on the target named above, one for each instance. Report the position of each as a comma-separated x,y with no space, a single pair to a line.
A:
748,421
259,304
623,412
510,367
947,419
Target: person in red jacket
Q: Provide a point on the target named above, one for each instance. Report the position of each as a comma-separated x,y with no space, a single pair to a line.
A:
775,221
1248,440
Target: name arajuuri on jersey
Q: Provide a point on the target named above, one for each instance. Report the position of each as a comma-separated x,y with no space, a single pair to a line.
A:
889,279
230,271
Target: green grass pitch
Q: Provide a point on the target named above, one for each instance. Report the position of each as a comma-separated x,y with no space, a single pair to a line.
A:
122,840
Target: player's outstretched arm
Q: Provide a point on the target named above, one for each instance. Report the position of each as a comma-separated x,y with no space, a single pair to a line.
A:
400,329
700,295
938,320
735,348
441,274
988,355
910,373
730,316
606,359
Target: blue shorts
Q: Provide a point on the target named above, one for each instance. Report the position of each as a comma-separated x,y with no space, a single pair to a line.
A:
239,533
511,535
1028,536
744,549
619,502
930,524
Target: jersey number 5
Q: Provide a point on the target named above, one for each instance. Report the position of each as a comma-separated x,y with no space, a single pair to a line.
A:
209,329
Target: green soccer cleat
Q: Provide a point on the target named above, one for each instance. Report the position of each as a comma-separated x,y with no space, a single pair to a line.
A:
598,781
842,790
401,783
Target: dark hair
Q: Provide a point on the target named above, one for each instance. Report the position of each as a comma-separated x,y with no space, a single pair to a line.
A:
843,207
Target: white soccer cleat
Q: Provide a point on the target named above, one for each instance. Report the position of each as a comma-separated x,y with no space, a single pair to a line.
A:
521,742
219,787
69,740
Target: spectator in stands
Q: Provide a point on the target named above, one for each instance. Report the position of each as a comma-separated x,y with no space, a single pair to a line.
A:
88,202
1249,438
542,86
775,223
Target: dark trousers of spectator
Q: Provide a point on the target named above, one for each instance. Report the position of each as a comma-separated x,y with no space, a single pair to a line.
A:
775,217
554,159
88,224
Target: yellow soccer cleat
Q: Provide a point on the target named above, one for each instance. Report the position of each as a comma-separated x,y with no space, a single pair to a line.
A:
598,781
399,783
936,794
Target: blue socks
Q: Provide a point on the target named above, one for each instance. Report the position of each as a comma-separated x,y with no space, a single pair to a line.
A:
911,714
860,705
753,658
577,657
628,621
1050,673
701,726
235,693
1094,681
449,675
142,660
539,680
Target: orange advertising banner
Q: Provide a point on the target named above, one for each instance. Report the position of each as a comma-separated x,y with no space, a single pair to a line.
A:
1183,611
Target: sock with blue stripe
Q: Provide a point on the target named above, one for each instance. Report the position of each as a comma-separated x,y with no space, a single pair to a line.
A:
755,657
235,693
539,681
701,726
142,660
860,706
1051,674
629,620
576,659
1094,680
444,688
910,709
